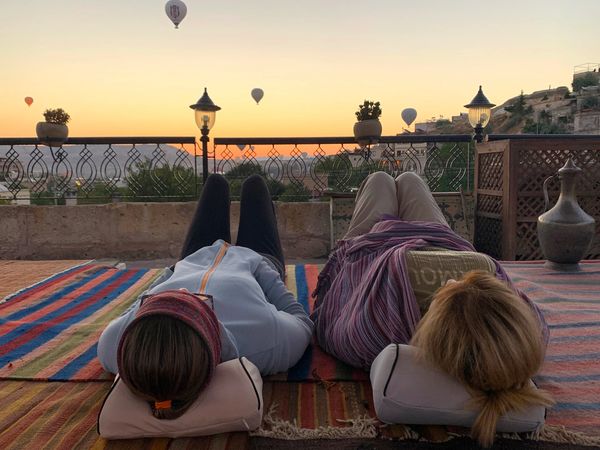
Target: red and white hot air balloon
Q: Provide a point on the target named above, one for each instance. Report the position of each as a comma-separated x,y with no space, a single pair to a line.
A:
176,10
28,100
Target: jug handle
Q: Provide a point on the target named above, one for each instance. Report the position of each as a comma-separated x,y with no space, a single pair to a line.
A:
545,189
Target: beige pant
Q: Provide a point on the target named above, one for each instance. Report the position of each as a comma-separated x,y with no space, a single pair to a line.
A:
407,197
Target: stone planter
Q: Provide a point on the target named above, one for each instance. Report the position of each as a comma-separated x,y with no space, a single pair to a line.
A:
52,134
367,131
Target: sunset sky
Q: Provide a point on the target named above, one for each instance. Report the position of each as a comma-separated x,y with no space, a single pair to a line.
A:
120,68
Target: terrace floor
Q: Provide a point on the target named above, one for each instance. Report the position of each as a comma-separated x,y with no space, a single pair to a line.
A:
17,427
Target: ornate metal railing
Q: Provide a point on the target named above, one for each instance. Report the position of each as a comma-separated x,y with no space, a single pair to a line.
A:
92,170
313,166
96,169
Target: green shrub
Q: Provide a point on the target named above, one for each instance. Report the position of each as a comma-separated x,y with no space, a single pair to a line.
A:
589,79
58,116
590,103
295,193
160,184
368,110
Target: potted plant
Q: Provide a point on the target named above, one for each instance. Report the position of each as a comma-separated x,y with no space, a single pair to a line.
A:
54,131
368,128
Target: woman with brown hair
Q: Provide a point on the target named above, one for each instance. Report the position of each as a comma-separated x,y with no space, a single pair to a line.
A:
219,302
392,277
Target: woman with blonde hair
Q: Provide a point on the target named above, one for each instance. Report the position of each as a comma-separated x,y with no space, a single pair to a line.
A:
392,277
481,333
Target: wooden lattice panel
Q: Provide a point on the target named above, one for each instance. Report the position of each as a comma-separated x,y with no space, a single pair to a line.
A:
591,205
535,166
528,246
486,234
529,162
529,208
491,204
589,181
594,252
491,171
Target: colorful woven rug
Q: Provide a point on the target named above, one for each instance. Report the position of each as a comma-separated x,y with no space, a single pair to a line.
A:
63,415
315,364
49,331
571,371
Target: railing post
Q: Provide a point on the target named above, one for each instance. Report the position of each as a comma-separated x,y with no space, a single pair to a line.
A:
196,184
204,139
469,166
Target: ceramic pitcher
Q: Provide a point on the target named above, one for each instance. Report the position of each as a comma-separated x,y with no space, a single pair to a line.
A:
566,231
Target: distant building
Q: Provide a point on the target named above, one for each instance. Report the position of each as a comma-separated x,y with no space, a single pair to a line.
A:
587,115
587,122
583,70
461,118
6,196
425,127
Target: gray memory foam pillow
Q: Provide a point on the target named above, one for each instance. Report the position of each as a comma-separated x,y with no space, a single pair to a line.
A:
408,391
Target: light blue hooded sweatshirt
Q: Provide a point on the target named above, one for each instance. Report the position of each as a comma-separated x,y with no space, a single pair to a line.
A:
259,318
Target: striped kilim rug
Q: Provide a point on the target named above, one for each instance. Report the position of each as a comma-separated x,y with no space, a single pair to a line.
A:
49,331
315,364
62,317
571,371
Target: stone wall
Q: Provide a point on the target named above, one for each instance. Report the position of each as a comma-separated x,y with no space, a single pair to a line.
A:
587,122
457,208
140,230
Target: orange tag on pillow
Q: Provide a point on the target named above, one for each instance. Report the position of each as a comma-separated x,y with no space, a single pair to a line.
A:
166,404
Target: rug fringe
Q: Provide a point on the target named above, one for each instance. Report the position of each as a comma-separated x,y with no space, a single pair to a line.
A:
549,433
559,434
364,427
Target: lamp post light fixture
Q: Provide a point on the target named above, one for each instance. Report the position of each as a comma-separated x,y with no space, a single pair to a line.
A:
480,111
205,114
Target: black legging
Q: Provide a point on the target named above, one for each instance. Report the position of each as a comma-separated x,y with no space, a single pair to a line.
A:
258,224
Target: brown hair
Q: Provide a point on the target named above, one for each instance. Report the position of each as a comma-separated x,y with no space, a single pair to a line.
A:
481,332
164,359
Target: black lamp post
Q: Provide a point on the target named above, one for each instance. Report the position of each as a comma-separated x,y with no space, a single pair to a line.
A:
480,111
205,114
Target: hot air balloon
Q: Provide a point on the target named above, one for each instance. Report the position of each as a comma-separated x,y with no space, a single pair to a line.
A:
409,115
176,10
241,147
257,94
28,100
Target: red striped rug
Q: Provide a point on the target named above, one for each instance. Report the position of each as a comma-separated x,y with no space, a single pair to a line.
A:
50,331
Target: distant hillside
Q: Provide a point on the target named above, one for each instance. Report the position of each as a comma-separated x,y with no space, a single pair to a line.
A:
548,111
550,105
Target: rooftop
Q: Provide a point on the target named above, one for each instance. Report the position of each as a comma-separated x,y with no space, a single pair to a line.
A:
485,195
